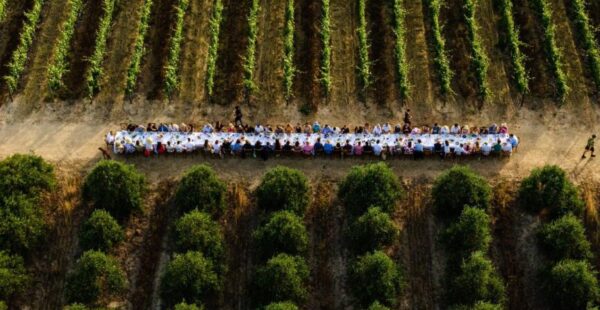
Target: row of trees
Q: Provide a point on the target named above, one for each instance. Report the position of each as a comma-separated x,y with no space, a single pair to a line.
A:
195,273
569,279
369,194
462,199
115,191
281,240
24,180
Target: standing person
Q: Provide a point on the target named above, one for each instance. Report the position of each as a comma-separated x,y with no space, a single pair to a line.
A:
407,117
589,146
238,115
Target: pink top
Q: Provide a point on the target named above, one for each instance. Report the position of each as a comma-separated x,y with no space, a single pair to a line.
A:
307,149
358,149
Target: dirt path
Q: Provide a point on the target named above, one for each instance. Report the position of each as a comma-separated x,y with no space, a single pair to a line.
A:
308,46
194,51
380,19
269,57
421,71
343,51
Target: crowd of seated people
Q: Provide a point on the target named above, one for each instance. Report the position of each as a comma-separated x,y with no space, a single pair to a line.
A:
310,140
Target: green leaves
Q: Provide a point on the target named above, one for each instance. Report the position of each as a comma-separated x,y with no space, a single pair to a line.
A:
289,70
2,10
213,48
554,54
19,56
514,45
441,60
364,64
59,62
325,74
588,40
172,66
400,49
94,73
138,49
479,57
250,58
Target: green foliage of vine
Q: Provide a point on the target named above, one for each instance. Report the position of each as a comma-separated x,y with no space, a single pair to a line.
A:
400,49
94,73
441,58
2,10
326,51
554,54
138,50
586,33
19,56
514,45
59,62
213,48
250,58
480,59
364,65
172,66
289,70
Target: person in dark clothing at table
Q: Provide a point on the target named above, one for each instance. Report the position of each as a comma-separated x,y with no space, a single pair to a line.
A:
238,115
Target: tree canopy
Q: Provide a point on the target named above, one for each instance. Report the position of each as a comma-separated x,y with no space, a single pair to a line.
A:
283,188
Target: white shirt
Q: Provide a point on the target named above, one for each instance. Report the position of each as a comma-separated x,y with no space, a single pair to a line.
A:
377,149
507,147
110,139
217,148
455,130
486,149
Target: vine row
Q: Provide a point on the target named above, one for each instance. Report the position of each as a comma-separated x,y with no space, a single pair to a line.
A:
139,49
94,73
213,48
59,61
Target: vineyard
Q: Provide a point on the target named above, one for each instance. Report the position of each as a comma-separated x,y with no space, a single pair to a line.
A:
309,53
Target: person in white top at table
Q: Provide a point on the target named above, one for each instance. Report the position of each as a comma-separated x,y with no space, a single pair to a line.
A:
377,130
179,148
444,130
377,148
189,146
217,148
486,149
207,129
455,129
386,128
110,138
459,150
507,148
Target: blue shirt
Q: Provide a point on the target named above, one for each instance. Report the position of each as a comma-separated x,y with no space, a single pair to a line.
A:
418,147
328,148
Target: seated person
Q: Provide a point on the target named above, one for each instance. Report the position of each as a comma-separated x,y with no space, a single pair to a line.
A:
337,149
447,149
358,149
163,128
278,130
486,149
438,148
436,129
397,129
493,129
110,139
277,145
377,148
426,130
189,146
265,151
377,130
345,130
289,129
419,151
226,147
406,129
497,148
347,148
408,148
236,148
318,147
368,149
514,141
138,146
316,127
216,149
416,131
465,130
455,129
287,147
507,148
328,148
386,128
483,130
179,147
459,150
444,130
307,149
307,129
297,148
327,130
503,128
298,128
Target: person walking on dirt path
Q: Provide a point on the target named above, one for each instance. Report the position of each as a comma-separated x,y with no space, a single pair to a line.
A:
407,117
589,146
238,116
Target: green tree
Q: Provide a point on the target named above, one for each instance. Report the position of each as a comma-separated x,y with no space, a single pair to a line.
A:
571,284
548,188
476,280
100,232
27,175
458,187
13,276
564,238
3,305
480,305
283,188
21,223
372,231
95,275
471,232
373,185
375,277
197,231
189,277
281,306
201,189
115,187
284,232
282,278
